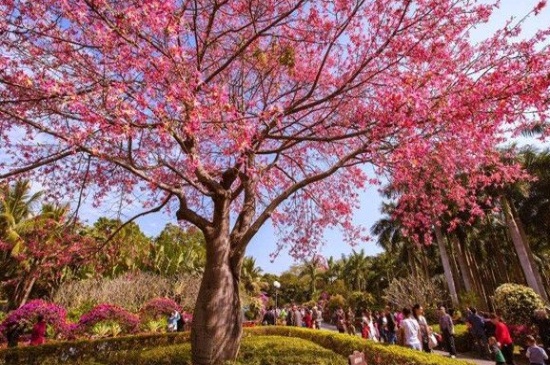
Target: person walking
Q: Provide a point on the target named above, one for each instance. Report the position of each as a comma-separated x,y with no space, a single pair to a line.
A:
495,350
308,320
317,317
350,322
542,322
269,317
503,337
535,354
477,329
412,336
173,321
425,330
340,319
447,328
390,327
297,320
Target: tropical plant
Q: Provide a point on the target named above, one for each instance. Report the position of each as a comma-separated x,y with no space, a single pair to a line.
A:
251,277
517,303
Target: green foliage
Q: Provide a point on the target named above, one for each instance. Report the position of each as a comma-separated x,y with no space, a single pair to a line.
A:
126,251
517,303
156,326
177,251
360,300
254,351
463,340
336,301
251,277
105,350
344,345
469,299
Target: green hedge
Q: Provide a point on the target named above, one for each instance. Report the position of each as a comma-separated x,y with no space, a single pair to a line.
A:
256,350
463,339
170,349
344,345
75,352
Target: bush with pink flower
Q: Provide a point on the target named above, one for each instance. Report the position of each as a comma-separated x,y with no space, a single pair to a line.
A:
160,306
129,322
54,315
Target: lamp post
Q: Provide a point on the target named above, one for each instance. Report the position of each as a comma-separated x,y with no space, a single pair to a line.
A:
276,285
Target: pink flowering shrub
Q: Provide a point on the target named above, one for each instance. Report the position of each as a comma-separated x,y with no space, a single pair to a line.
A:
53,314
108,312
519,333
159,306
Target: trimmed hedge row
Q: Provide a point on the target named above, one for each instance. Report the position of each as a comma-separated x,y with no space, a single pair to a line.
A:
74,352
255,350
375,353
131,349
463,340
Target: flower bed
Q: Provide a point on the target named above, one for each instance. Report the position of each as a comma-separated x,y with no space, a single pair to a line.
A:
54,315
159,307
107,312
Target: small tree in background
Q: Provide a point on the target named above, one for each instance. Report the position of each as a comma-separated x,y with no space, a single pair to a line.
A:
407,291
517,303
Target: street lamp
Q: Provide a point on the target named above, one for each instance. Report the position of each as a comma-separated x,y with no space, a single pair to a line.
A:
276,285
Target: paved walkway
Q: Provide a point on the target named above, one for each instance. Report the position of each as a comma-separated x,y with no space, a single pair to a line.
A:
465,356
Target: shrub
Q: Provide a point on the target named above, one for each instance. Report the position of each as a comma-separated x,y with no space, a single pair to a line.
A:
156,326
375,353
253,351
335,301
112,313
54,315
517,303
129,291
160,306
105,350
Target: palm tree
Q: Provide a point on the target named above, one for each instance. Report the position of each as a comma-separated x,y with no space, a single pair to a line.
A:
355,270
16,207
310,270
251,276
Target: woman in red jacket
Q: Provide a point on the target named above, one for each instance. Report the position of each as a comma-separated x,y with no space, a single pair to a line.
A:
38,335
308,319
503,337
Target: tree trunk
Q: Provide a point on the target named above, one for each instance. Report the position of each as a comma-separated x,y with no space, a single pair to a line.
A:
217,319
27,292
464,269
534,265
446,265
522,250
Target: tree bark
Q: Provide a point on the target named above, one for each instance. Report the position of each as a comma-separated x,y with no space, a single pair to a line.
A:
27,292
446,264
217,319
530,254
522,250
463,265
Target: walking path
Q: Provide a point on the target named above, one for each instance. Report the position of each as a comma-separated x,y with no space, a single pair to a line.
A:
465,356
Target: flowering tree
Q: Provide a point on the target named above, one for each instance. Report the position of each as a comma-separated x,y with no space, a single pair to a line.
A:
231,113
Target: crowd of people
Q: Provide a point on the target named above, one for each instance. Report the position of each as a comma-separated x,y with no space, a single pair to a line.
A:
409,327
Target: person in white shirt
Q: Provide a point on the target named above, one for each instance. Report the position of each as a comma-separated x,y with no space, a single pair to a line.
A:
412,336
